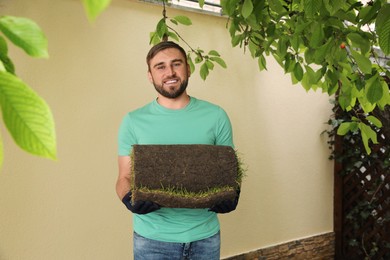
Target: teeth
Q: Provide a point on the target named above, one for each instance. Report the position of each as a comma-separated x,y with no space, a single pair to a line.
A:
171,81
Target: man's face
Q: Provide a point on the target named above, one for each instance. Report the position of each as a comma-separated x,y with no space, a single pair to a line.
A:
169,73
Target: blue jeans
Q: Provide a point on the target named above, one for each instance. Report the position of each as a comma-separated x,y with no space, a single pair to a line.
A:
148,249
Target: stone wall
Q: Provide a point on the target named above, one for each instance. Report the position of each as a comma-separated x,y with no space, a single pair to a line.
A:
317,247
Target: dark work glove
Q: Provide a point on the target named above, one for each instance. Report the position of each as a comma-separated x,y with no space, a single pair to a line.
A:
226,206
139,207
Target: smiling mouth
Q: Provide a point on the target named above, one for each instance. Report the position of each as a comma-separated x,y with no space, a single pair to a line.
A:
171,81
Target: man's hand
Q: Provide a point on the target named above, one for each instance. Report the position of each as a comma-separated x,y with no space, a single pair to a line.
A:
139,207
226,206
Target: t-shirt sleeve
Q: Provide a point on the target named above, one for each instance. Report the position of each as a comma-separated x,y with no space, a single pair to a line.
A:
126,137
224,135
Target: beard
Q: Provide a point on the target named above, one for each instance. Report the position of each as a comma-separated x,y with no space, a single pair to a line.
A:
172,93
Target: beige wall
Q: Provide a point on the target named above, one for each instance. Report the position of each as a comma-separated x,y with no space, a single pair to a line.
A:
68,209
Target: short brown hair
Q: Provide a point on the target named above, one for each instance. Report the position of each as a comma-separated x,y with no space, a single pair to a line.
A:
162,46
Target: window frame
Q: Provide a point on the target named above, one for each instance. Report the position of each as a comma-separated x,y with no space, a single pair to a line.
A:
181,5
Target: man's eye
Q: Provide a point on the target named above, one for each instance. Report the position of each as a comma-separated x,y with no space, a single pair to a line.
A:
177,64
161,67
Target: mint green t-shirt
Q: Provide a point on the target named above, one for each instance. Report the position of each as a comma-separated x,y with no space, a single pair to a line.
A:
200,122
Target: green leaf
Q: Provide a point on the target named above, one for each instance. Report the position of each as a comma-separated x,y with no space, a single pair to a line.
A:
366,105
3,46
190,63
161,28
385,100
293,79
301,26
220,61
345,127
330,88
198,58
173,21
209,64
298,71
305,82
204,71
282,46
359,41
229,6
201,3
362,61
173,36
253,49
318,35
247,8
236,39
384,38
2,67
233,28
335,5
7,64
383,15
367,134
214,53
374,91
183,19
94,8
309,55
346,67
382,26
276,6
262,63
312,77
289,63
271,28
252,22
345,100
154,38
295,42
278,58
375,121
368,12
27,117
25,34
312,7
322,52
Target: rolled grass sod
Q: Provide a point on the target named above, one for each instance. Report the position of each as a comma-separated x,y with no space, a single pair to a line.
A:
184,176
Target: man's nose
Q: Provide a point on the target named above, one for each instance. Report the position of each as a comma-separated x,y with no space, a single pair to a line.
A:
171,71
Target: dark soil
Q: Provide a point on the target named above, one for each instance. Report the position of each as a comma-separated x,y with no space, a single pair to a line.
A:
196,169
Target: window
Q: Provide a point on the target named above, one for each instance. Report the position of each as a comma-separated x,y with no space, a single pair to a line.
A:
210,6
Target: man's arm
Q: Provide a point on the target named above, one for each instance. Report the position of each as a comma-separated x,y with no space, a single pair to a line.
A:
123,189
123,182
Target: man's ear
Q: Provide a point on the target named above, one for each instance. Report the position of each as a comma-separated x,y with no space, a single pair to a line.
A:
150,77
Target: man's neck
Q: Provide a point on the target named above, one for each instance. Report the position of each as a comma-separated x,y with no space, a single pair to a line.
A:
174,103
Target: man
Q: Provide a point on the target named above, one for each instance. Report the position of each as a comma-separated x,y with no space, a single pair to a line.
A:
173,118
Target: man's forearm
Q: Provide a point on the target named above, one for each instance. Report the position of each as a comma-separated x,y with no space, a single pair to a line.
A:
122,187
123,182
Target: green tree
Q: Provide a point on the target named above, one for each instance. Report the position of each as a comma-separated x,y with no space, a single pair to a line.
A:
326,45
